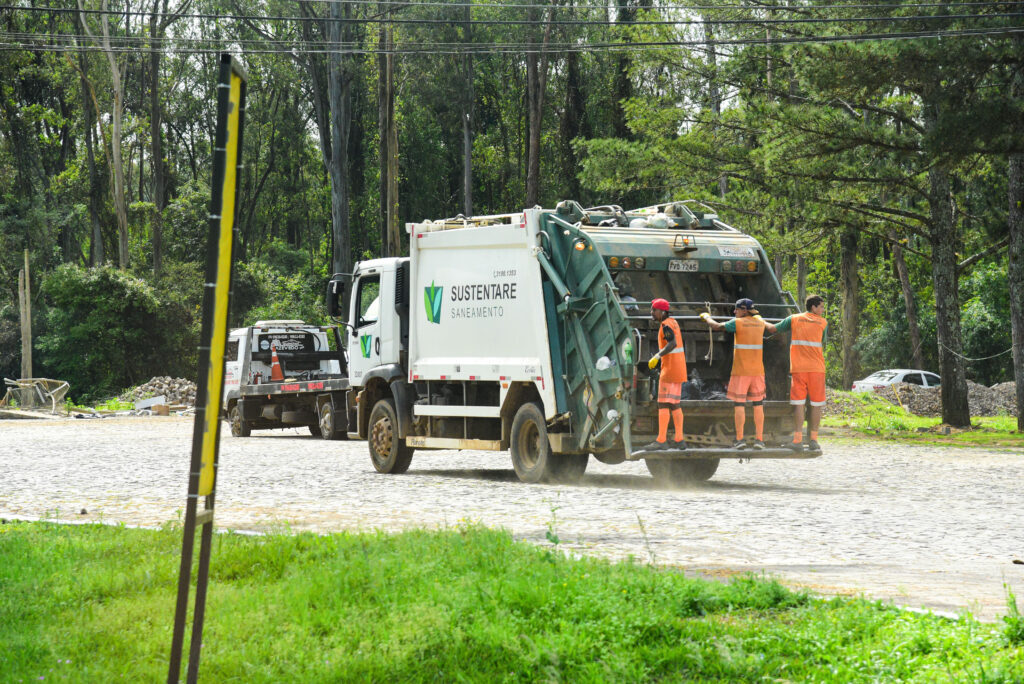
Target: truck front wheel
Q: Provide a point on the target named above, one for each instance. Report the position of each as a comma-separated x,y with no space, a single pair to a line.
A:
388,452
239,428
531,452
682,471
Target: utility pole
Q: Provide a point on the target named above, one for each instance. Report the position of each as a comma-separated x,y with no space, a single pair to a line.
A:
25,302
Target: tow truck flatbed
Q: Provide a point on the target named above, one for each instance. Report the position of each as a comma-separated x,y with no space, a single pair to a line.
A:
289,386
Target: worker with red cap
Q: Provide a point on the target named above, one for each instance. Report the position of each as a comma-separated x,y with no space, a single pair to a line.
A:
670,384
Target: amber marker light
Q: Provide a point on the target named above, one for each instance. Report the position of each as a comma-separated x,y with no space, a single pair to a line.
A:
613,262
751,266
580,245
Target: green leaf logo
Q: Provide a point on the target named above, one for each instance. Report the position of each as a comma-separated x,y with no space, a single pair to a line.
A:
365,345
432,300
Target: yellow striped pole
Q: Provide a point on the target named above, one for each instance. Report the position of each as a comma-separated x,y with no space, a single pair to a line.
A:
227,163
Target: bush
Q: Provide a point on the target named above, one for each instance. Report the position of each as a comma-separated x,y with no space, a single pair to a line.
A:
106,329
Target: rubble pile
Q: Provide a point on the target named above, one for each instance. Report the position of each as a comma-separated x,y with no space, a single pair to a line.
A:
1006,394
927,401
838,403
175,390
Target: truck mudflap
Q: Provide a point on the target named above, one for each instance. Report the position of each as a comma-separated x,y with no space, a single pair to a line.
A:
591,338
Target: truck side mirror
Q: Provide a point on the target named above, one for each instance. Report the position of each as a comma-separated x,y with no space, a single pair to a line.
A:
335,297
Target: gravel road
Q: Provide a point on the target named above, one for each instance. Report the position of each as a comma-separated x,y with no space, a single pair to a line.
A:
924,527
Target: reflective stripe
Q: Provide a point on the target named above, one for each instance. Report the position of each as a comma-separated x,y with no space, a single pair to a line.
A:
747,346
806,343
677,350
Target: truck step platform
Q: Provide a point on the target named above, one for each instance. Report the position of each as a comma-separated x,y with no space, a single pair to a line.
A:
721,452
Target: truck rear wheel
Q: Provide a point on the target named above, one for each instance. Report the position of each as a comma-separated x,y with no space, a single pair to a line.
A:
388,452
328,422
531,452
568,468
683,471
239,428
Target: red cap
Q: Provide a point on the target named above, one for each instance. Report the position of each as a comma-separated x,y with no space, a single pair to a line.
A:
660,304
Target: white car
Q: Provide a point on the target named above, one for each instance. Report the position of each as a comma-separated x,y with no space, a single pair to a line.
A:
891,376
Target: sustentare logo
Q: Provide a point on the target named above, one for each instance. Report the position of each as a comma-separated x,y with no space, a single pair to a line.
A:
365,345
432,300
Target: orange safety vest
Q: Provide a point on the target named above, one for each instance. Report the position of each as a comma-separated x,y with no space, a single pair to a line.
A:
806,353
673,364
747,349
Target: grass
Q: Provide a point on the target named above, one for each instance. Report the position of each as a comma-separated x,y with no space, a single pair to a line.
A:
96,603
865,414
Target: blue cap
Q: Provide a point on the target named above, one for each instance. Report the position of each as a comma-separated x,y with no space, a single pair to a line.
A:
744,303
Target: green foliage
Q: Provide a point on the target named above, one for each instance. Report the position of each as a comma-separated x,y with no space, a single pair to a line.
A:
186,224
867,414
106,329
986,324
467,604
1013,620
280,294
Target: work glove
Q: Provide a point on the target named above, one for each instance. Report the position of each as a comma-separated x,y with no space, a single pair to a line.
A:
653,363
758,317
706,316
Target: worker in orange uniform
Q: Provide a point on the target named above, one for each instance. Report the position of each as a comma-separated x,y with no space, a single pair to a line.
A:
670,384
746,382
807,366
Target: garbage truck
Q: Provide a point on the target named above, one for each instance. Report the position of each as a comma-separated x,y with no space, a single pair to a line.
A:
530,333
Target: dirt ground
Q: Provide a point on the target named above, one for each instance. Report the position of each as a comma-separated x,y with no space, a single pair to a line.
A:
925,527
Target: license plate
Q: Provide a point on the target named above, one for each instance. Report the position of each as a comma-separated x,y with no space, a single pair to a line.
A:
682,265
737,252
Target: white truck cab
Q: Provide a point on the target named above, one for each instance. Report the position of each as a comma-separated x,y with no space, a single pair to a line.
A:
378,333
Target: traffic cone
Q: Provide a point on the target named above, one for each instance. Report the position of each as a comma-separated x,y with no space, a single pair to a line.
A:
276,374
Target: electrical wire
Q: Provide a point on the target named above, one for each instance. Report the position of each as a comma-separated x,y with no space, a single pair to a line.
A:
401,4
517,22
142,45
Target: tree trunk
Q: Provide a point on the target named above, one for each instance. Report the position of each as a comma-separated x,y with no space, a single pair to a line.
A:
383,126
850,282
536,82
801,281
156,137
394,233
467,118
955,410
1015,269
622,87
96,252
533,109
908,302
25,302
714,95
338,87
571,124
116,161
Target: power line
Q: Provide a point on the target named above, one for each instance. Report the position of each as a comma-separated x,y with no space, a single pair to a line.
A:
401,4
145,44
517,22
